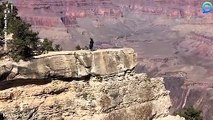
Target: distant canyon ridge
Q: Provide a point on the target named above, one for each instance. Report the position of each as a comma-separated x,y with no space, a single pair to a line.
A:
63,13
61,20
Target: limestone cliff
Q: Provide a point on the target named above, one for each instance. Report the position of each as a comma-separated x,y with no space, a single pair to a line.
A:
90,85
72,64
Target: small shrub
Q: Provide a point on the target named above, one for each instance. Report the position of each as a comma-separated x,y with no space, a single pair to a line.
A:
58,47
86,48
190,113
78,47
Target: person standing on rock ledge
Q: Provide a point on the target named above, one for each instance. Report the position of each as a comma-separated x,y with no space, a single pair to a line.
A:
91,44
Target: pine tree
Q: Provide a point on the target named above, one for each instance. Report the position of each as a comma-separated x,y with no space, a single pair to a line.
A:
25,43
1,19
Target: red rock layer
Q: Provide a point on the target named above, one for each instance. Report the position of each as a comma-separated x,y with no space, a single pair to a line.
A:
54,13
189,9
199,45
67,11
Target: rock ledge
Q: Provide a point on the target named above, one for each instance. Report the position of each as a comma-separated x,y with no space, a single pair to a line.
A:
72,64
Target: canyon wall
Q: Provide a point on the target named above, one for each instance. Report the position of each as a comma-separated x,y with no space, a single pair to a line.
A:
65,12
54,13
197,44
190,9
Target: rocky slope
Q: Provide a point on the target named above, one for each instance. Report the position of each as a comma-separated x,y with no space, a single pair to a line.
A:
64,12
55,13
61,13
189,9
197,44
186,93
112,92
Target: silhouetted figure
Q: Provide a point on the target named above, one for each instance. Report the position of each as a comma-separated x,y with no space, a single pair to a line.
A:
91,44
1,116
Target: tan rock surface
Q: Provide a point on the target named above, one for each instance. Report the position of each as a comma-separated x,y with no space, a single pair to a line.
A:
128,97
112,92
171,118
74,64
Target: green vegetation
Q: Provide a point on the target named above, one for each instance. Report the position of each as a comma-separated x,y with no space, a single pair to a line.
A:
86,48
47,45
58,47
190,113
78,47
25,43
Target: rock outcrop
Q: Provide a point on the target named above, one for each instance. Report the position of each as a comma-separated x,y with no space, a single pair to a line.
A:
73,64
113,91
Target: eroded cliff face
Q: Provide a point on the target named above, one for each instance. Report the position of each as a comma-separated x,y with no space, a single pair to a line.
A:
172,8
114,98
197,44
55,13
113,91
65,12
